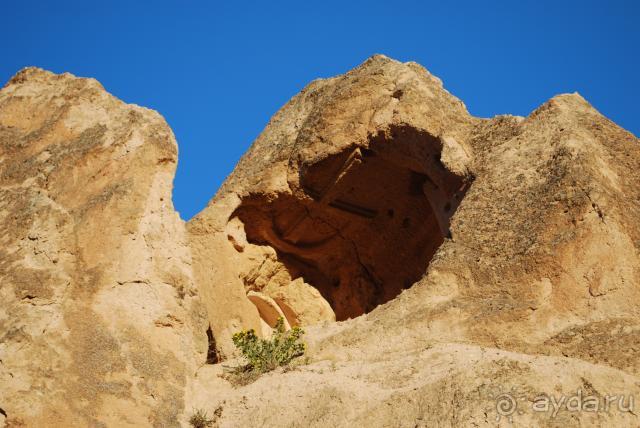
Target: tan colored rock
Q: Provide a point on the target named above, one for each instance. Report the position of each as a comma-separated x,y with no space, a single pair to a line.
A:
338,165
100,324
506,251
301,303
265,277
463,258
268,309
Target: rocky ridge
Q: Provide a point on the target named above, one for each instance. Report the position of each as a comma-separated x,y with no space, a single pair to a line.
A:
463,258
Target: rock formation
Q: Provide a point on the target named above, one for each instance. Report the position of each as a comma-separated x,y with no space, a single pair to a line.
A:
100,324
463,258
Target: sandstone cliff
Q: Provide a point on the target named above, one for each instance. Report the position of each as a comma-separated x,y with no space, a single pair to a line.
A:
99,323
436,260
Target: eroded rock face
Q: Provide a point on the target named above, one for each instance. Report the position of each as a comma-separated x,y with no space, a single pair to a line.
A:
99,323
349,190
369,232
505,249
477,256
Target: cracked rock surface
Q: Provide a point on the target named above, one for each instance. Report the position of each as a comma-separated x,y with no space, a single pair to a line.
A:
99,322
436,260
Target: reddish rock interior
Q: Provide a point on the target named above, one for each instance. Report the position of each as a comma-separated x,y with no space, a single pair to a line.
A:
368,222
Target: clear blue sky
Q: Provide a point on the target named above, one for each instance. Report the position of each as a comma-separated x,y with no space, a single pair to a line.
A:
218,70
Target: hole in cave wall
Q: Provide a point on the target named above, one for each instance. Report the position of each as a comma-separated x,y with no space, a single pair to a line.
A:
369,222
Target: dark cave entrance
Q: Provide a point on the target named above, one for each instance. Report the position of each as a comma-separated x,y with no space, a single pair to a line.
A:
367,222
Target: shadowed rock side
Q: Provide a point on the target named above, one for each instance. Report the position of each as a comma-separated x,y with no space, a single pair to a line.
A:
462,258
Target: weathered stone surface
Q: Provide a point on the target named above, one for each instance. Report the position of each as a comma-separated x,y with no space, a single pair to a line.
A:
477,256
99,323
336,186
518,238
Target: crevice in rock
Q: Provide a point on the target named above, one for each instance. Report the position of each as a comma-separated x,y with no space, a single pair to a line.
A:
364,224
212,352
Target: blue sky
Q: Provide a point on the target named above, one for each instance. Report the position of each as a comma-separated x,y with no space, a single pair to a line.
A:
218,70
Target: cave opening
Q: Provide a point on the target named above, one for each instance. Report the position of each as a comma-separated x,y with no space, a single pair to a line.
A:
365,223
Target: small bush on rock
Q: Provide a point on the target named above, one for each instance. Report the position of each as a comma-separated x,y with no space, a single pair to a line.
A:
264,355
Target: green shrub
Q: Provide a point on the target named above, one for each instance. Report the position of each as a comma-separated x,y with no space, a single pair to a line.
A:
263,355
200,419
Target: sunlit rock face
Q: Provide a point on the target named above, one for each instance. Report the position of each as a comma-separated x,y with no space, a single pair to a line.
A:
99,323
436,260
